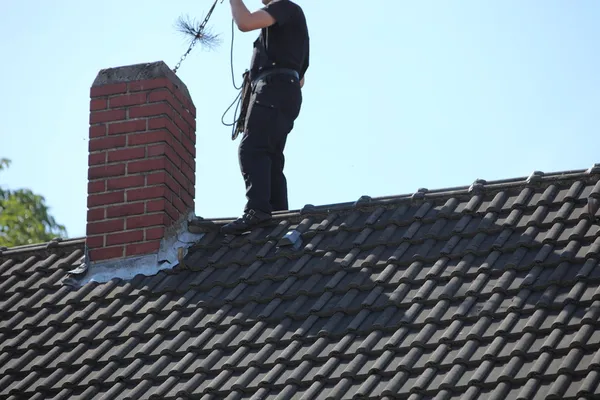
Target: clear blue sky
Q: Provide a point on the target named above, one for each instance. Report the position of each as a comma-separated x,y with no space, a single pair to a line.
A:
400,95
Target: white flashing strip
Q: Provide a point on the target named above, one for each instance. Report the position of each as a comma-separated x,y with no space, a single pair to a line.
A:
171,249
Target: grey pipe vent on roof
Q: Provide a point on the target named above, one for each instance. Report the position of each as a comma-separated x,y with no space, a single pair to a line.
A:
54,242
292,238
420,194
535,177
307,209
363,200
594,169
478,186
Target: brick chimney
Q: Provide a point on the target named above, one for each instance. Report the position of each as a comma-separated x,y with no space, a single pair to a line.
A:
141,169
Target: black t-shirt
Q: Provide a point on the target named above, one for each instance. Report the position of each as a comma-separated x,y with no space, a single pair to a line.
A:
286,41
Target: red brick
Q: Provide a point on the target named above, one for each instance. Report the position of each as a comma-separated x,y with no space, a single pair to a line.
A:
188,119
165,149
104,143
125,182
143,221
104,171
103,199
106,90
97,158
180,178
98,104
179,205
125,237
166,96
155,233
148,193
95,228
189,145
95,214
189,173
156,205
94,241
135,125
157,149
107,116
163,122
186,101
124,210
172,212
150,110
97,186
97,131
135,139
106,253
126,154
128,99
163,177
153,164
150,84
142,248
182,125
156,178
181,150
163,95
187,199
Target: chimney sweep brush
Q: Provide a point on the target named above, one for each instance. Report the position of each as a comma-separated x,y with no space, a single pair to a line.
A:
198,32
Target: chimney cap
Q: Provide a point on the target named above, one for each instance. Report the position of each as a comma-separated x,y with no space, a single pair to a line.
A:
139,72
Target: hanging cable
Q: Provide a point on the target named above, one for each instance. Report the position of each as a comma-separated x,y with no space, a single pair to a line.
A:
200,33
240,100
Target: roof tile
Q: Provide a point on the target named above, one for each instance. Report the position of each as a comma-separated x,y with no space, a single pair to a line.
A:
484,294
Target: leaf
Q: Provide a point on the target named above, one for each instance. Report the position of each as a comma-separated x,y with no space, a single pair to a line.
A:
25,218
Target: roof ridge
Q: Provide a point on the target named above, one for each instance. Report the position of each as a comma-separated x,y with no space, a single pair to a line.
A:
536,177
54,243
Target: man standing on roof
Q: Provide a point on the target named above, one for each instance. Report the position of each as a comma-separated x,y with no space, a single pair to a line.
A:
279,61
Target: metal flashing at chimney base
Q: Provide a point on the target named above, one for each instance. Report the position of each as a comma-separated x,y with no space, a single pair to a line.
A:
173,247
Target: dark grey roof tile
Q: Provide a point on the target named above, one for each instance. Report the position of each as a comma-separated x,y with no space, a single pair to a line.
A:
488,307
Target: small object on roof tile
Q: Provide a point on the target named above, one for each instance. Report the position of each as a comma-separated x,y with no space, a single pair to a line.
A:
594,169
363,200
535,177
181,257
307,209
290,239
477,186
79,270
420,194
52,244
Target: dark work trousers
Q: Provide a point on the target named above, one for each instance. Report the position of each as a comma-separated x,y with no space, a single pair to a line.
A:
273,107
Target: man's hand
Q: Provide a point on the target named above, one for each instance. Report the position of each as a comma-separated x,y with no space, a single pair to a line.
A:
302,82
247,21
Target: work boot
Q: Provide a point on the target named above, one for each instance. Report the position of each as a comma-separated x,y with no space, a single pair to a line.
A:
251,219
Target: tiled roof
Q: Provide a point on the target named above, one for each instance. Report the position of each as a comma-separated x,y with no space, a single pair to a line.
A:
484,292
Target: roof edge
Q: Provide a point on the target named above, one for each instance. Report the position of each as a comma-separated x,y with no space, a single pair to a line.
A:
54,243
199,224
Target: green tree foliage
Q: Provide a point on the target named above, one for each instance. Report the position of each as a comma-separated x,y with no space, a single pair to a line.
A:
24,217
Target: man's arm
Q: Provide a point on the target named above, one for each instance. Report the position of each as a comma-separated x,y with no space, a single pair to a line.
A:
247,21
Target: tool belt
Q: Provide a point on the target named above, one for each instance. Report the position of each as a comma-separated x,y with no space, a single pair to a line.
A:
272,71
247,92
